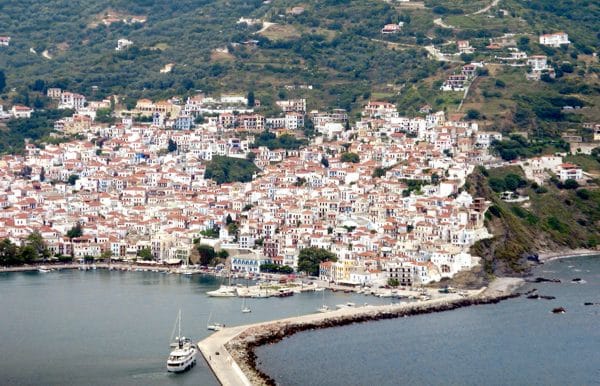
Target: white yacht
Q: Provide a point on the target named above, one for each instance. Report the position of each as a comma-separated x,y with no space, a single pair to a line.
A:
224,291
183,356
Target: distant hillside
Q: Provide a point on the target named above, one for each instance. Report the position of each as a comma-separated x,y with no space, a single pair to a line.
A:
336,46
326,46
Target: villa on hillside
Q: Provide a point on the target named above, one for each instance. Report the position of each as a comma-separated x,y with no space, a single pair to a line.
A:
555,39
392,28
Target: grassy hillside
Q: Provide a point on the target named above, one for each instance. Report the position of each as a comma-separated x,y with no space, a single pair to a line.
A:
334,45
327,46
551,219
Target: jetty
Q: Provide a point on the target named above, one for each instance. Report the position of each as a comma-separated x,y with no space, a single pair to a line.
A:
230,352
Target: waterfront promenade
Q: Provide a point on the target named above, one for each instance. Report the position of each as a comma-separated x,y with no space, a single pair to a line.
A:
223,360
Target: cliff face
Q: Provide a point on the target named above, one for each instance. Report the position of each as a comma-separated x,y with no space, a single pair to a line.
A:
551,219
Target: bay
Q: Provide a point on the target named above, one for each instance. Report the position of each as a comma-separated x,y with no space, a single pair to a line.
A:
515,342
112,328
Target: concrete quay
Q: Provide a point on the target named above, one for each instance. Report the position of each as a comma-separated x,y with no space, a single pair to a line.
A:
229,352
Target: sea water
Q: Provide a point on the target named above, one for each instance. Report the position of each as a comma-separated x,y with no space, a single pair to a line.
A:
104,327
516,342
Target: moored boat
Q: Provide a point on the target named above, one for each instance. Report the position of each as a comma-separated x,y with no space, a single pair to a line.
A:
183,356
224,291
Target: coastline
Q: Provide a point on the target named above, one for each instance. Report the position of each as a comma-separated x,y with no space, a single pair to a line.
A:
230,352
547,256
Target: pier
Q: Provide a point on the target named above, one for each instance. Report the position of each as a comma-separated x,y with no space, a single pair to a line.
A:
229,352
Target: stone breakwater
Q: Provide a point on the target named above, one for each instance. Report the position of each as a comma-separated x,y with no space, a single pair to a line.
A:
241,347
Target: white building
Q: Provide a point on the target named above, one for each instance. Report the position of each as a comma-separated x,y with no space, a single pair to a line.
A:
554,40
392,28
569,171
21,111
123,44
4,40
247,263
484,139
293,105
293,121
69,100
538,62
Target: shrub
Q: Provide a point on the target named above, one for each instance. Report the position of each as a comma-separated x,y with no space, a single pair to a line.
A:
570,184
584,194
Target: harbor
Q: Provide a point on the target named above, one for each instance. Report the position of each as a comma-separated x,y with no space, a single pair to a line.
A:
113,311
229,352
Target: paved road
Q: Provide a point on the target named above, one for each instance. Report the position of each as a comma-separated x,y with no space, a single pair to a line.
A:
222,364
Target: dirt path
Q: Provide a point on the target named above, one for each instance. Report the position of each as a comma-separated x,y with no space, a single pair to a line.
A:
440,22
485,9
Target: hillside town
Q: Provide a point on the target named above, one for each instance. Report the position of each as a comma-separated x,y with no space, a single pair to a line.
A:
385,196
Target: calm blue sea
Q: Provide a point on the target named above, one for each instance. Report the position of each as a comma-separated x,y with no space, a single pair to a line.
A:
516,342
113,328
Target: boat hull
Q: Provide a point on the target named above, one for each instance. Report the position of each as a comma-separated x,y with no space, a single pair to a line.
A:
182,365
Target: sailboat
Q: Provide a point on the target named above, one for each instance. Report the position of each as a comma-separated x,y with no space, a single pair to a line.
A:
214,326
183,356
324,307
245,308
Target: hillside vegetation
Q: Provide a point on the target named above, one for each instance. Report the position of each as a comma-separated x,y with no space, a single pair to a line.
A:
552,219
333,45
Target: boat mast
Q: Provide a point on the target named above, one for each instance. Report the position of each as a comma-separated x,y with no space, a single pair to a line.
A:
179,332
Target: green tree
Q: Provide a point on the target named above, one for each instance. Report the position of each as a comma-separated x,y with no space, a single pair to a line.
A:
37,243
2,81
514,182
250,98
227,169
473,114
28,254
393,282
350,157
172,146
379,172
212,233
207,254
75,231
8,253
497,184
104,116
570,184
310,258
145,254
222,254
72,179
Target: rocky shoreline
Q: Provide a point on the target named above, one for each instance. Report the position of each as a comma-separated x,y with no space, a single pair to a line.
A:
242,347
547,256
